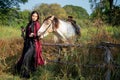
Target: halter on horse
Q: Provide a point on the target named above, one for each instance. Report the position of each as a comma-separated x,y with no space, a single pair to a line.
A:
63,31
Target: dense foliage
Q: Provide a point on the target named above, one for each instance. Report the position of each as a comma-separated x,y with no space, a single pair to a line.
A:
9,11
46,10
11,3
76,11
62,12
106,10
13,16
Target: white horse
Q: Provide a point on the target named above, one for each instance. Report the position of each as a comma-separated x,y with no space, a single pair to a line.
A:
63,31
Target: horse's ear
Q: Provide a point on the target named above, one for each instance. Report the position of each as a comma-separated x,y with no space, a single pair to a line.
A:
52,17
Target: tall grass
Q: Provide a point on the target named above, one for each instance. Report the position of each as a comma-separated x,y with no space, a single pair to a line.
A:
102,33
7,32
70,67
114,31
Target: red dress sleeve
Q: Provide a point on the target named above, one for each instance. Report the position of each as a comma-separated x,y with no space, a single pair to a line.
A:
36,28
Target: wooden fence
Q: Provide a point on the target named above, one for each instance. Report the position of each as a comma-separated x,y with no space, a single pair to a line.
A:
108,57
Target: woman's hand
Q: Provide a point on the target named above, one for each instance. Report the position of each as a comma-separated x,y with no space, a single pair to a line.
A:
31,35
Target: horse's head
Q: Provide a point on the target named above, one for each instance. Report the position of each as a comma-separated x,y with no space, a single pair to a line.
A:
49,25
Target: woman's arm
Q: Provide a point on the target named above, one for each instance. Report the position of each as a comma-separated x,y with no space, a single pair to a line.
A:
37,26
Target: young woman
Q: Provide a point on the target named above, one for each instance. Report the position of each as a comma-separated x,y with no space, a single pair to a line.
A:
32,50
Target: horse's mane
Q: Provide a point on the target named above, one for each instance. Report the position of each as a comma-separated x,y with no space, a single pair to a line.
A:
55,21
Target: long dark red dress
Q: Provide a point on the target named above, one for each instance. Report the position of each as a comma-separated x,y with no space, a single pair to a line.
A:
32,51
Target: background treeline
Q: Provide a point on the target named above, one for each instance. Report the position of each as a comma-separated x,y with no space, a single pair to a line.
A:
107,11
104,11
15,16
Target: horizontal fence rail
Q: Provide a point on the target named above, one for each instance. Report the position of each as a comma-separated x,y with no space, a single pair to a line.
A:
62,45
108,58
101,45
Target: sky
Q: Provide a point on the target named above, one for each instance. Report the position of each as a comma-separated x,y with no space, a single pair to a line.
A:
82,3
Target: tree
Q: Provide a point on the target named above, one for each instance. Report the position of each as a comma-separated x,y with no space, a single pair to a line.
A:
57,10
76,11
107,10
11,3
46,10
23,17
9,10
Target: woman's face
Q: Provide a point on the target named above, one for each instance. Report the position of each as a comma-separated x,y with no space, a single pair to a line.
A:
34,16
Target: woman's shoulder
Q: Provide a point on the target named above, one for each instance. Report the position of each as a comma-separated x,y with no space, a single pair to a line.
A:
37,22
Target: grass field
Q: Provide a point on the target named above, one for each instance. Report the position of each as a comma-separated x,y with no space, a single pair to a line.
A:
11,45
7,32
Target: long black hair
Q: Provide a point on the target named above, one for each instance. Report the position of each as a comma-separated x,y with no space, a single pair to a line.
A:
31,22
30,19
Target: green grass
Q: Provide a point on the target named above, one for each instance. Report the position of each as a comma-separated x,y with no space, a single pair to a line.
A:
11,48
9,77
114,31
7,32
